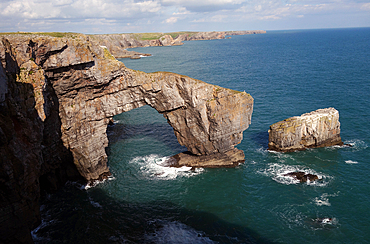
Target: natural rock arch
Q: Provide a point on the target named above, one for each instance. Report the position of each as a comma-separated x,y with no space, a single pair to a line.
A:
91,87
205,118
57,96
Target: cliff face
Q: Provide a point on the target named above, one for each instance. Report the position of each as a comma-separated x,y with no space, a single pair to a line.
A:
118,43
319,128
31,150
57,97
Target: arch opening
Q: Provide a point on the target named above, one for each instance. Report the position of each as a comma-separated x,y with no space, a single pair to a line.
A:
140,131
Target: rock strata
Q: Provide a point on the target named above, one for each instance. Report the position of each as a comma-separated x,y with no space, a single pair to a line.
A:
58,96
319,128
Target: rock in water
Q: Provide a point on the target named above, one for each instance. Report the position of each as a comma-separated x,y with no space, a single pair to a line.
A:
302,176
230,158
320,128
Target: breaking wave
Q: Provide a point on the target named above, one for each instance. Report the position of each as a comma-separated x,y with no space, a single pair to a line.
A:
176,232
154,166
278,173
323,200
95,183
351,162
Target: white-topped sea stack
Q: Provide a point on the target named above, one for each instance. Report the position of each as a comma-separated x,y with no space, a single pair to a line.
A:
320,128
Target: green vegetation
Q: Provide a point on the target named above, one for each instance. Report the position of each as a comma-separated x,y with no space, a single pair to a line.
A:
137,36
52,34
147,36
108,55
176,34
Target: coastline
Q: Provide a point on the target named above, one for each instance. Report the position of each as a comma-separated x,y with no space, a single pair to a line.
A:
117,44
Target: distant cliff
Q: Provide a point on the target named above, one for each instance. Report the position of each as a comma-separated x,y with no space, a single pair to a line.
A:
57,97
117,44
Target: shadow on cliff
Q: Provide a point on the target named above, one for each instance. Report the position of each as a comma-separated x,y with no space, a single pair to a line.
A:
31,155
75,216
58,166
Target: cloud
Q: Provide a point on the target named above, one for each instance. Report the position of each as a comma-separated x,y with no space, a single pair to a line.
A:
275,10
171,20
103,16
204,5
365,6
32,9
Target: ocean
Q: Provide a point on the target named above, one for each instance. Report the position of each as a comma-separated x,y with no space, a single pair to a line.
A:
288,73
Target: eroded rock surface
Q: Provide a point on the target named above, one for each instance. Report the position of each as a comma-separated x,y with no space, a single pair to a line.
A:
319,128
59,94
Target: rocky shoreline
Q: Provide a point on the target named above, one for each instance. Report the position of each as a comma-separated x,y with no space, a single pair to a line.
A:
59,94
117,44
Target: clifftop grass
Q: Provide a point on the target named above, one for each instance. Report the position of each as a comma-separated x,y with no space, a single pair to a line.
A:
52,34
137,36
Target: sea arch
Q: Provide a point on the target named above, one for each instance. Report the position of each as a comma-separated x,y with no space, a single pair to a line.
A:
92,87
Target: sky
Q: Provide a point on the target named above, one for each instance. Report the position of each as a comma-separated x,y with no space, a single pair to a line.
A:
138,16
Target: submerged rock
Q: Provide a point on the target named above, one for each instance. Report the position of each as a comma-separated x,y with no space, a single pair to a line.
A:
320,128
302,176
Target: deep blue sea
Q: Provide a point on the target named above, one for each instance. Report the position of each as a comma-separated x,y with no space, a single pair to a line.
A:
288,73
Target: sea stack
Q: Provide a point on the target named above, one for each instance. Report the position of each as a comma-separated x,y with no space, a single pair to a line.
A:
320,128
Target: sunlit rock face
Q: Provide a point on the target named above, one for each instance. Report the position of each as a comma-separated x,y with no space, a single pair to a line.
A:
319,128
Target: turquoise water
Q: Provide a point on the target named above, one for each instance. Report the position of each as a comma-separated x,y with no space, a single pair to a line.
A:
288,73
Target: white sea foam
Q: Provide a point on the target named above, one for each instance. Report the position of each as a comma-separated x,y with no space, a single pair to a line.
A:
95,183
351,162
320,202
278,171
34,232
263,150
356,144
94,203
323,200
323,222
153,166
176,232
290,215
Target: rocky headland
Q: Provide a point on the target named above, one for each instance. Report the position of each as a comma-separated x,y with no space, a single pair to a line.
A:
117,44
320,128
57,96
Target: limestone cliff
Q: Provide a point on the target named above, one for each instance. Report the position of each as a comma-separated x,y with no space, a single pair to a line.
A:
57,98
118,43
319,128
